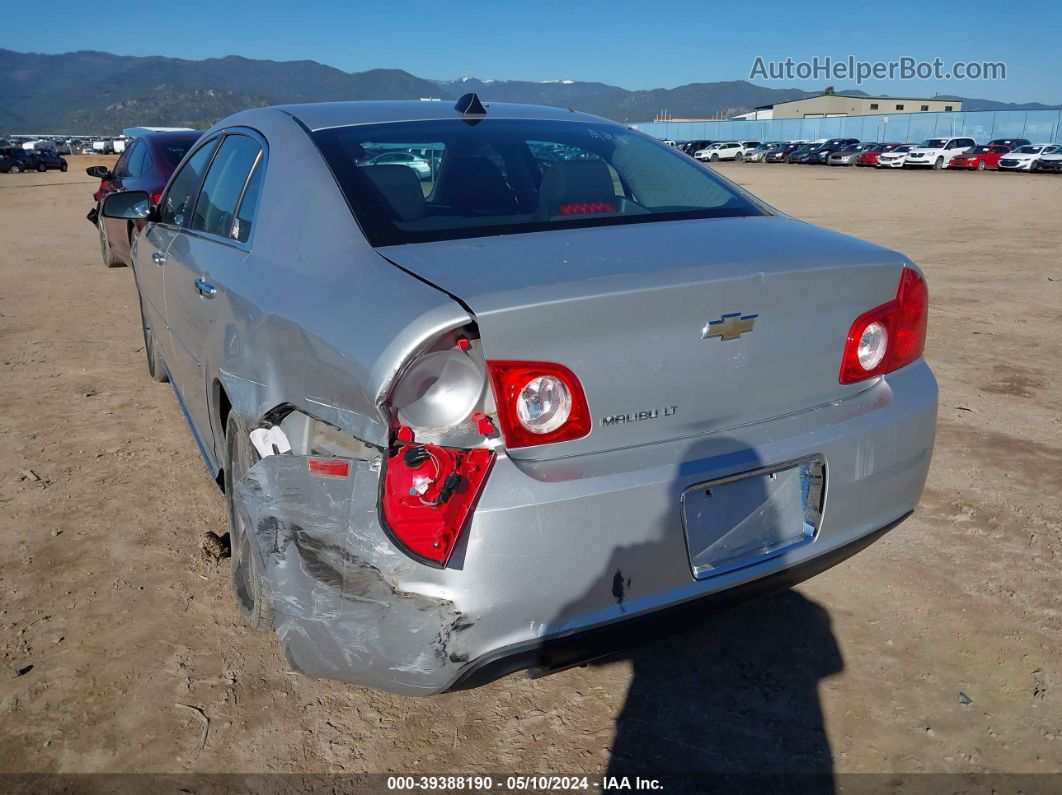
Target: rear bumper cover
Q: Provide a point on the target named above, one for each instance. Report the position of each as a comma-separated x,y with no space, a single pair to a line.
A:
555,654
564,558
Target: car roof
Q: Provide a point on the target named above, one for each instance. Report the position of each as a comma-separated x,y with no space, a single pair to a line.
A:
322,115
172,135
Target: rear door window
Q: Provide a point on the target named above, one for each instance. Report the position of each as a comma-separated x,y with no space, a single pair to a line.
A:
215,210
136,160
176,207
121,168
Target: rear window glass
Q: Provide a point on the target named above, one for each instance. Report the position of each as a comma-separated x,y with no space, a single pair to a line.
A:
174,153
440,180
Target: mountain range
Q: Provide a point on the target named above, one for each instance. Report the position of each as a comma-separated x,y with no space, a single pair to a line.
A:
101,93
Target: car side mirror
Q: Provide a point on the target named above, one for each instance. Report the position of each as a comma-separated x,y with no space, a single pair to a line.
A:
133,205
100,172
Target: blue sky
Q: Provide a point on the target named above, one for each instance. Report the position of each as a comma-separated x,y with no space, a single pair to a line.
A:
630,44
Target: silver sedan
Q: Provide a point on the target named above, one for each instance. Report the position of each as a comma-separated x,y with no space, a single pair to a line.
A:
570,391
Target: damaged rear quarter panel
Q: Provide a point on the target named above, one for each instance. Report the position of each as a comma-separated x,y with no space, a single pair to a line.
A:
313,317
332,578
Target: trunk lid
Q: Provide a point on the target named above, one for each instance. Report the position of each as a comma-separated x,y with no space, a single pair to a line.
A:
625,308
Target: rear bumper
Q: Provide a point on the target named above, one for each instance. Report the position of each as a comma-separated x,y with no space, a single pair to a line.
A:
564,558
554,654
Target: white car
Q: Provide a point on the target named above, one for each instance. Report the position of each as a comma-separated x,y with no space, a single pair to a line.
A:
723,150
1022,158
1050,160
894,159
937,152
757,154
420,166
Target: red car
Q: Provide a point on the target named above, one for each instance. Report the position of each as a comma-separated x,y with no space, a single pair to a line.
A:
980,157
870,156
146,165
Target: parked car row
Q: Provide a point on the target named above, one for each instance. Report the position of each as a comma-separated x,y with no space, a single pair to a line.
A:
1002,154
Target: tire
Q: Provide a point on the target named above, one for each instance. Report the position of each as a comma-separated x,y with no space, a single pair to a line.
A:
938,164
980,165
109,258
244,568
15,169
63,167
714,158
156,367
739,156
41,167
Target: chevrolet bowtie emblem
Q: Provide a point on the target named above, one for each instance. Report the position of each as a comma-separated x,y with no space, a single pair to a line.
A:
729,327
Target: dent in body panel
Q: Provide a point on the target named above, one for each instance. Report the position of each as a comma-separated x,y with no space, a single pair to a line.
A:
335,583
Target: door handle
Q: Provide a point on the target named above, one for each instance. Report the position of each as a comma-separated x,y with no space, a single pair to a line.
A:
205,289
159,258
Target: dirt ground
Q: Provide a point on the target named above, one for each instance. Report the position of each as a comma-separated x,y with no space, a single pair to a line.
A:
937,649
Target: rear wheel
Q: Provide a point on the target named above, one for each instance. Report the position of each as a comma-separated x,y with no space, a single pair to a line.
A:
155,366
739,156
15,169
244,567
42,167
109,257
63,167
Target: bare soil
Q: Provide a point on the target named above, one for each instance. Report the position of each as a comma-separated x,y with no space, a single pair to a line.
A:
937,649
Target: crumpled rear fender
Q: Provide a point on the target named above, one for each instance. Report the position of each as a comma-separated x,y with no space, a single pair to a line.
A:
332,578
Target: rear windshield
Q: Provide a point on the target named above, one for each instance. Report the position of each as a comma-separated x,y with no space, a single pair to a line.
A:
175,152
414,182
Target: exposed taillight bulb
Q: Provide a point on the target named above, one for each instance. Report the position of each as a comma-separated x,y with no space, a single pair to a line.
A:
538,403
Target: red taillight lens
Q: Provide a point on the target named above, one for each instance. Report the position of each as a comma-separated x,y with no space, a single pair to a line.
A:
538,403
909,341
899,327
428,493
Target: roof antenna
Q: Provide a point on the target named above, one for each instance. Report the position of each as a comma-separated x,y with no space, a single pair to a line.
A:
470,104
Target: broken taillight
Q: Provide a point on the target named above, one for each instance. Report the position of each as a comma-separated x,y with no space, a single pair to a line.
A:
428,493
889,336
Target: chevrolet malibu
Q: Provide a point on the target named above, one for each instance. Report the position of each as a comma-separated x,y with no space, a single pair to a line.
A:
571,391
1024,158
980,158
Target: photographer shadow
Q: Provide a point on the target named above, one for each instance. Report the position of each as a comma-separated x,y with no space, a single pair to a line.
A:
731,702
737,696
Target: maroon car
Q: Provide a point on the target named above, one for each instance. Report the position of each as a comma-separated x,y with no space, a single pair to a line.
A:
146,165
